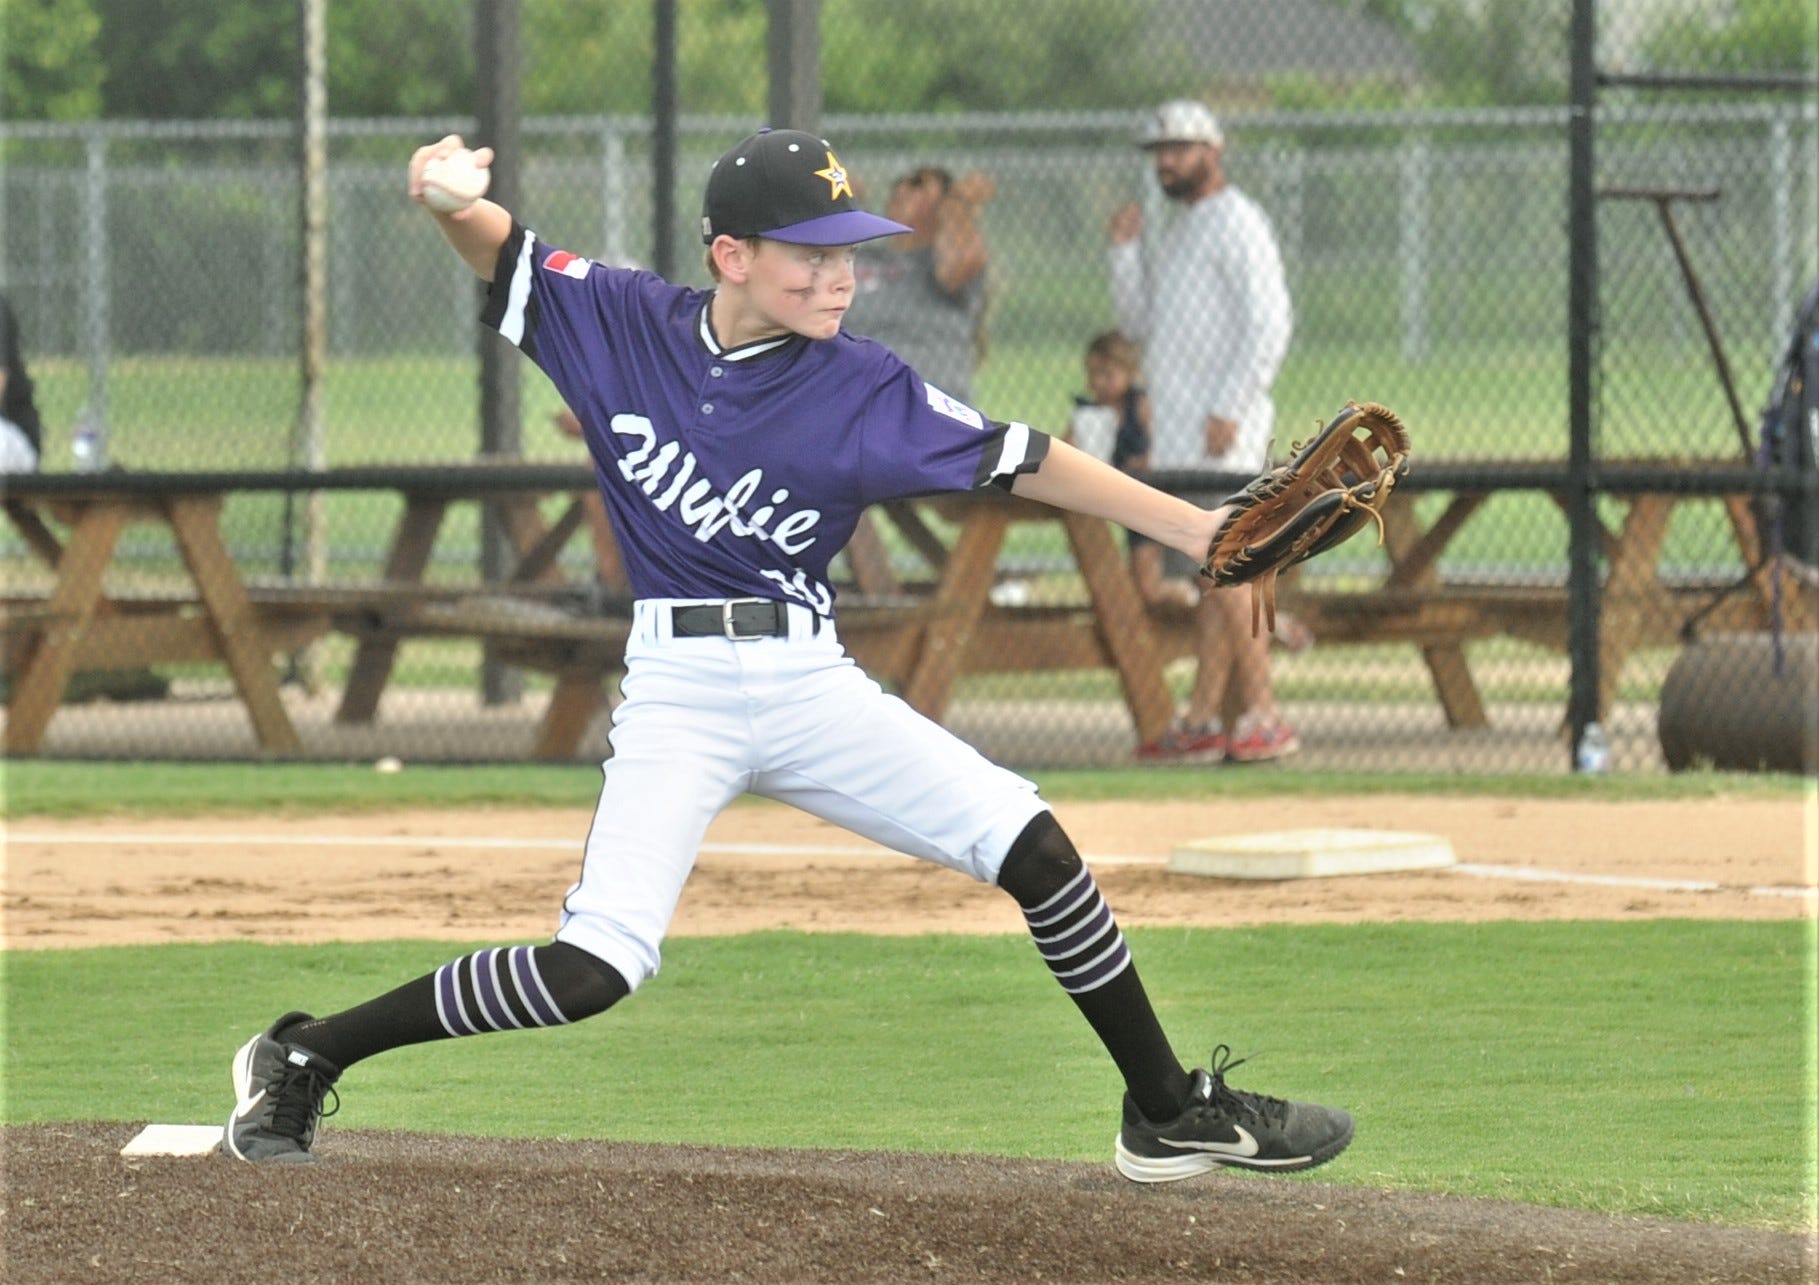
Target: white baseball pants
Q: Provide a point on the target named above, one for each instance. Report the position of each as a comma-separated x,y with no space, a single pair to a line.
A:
707,719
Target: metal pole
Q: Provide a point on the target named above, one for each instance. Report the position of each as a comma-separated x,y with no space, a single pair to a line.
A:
1414,246
97,284
499,68
307,448
793,56
1582,331
663,141
1707,324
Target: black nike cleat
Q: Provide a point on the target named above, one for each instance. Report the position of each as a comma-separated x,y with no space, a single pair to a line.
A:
1221,1127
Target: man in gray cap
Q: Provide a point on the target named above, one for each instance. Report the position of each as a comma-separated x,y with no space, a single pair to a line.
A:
1211,308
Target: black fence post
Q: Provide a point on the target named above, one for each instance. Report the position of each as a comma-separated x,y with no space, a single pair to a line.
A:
793,54
1582,339
499,73
663,140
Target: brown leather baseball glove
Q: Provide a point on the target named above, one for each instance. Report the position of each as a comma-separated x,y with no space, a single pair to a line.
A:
1327,491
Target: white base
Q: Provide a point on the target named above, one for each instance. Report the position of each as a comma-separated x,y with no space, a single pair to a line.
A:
1305,854
174,1140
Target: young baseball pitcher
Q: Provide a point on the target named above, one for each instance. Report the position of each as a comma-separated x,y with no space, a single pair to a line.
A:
738,435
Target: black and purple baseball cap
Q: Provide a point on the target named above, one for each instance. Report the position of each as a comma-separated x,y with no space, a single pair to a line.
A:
788,186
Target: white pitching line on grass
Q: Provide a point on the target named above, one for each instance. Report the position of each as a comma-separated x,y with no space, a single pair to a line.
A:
1603,881
1626,881
93,839
79,838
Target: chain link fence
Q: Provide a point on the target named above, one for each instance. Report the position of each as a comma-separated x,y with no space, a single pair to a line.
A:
156,271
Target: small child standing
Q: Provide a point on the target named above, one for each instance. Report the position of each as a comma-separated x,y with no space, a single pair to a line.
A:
1113,370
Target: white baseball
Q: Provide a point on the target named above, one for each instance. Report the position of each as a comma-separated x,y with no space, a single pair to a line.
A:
454,182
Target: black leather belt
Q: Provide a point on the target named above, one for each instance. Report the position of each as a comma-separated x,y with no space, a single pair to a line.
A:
735,618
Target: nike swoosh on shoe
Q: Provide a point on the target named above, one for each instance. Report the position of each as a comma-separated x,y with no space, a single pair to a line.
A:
1246,1145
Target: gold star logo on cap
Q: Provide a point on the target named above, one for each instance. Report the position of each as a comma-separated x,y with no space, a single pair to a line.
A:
836,177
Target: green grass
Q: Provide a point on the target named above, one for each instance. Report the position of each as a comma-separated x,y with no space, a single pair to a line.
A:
1663,1068
1652,1068
50,788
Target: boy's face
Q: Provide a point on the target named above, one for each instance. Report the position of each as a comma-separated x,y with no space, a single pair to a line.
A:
805,289
1107,380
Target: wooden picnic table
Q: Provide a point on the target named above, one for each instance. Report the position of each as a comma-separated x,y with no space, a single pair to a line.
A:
72,525
921,634
924,642
1440,611
77,626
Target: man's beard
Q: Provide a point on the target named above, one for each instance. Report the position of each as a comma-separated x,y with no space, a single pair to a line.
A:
1179,184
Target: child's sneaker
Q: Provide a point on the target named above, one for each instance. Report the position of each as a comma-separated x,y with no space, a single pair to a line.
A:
1185,742
1222,1126
1259,738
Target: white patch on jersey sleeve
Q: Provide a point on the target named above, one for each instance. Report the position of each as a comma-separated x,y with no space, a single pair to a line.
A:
942,404
1014,450
518,297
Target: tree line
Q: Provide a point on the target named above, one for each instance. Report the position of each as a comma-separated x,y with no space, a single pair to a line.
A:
239,59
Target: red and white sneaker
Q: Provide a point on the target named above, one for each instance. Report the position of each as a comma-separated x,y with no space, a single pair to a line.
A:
1185,742
1259,738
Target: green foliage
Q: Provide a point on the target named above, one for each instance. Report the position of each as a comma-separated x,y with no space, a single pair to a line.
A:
221,59
1416,1028
74,59
589,56
50,68
1065,54
217,58
877,56
197,58
1484,52
401,57
1746,36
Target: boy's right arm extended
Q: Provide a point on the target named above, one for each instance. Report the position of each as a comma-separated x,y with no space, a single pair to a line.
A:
477,232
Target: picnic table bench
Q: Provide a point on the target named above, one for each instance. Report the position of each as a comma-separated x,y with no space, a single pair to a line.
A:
919,633
217,615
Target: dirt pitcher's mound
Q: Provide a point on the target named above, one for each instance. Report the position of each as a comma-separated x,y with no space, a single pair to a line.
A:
399,1207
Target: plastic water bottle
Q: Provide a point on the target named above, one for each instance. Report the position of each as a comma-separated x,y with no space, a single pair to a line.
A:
88,443
1594,755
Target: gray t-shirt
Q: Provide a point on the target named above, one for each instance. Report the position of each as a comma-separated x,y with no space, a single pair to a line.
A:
898,302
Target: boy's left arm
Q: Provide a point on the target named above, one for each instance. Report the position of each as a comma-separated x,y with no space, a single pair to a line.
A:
1071,479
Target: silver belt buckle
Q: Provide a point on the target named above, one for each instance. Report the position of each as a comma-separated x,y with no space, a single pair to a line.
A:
726,619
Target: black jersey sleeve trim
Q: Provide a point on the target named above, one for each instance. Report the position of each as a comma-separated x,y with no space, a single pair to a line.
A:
499,289
1015,448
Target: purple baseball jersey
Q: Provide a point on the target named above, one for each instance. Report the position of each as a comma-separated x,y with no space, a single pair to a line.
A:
735,472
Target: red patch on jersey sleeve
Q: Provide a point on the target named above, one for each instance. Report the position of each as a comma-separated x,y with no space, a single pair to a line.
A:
569,265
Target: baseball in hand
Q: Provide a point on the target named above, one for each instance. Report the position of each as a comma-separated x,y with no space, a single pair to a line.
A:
454,182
